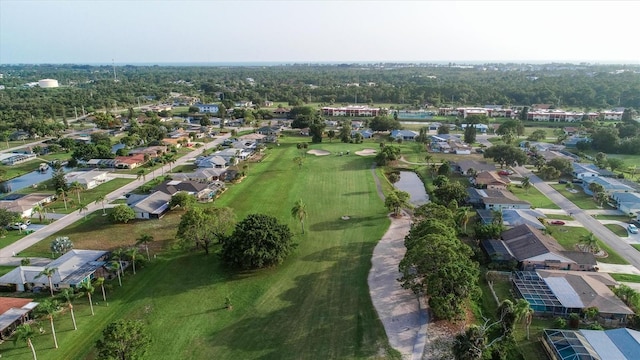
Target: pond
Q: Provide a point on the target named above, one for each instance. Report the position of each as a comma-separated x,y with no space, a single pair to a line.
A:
27,180
411,183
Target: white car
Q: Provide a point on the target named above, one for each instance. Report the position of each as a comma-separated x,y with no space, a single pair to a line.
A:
632,229
18,226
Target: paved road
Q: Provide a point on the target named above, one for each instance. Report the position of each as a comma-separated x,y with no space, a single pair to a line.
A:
6,254
599,230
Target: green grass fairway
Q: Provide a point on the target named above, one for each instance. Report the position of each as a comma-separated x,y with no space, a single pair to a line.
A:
316,305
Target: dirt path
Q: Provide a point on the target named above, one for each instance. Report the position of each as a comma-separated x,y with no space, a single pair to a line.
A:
404,322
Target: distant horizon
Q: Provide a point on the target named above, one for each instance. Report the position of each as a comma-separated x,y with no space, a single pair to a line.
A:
336,62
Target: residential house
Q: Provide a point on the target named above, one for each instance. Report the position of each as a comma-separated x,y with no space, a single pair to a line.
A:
88,179
281,112
151,151
73,268
177,142
208,108
491,180
406,135
24,204
583,170
540,146
13,313
612,344
560,293
481,128
351,110
466,167
130,162
610,185
494,199
212,161
19,136
366,133
269,130
534,250
304,131
200,190
232,156
570,130
572,141
152,206
514,217
203,175
101,163
15,159
257,138
627,202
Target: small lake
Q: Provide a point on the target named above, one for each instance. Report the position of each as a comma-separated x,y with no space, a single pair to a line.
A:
411,183
27,180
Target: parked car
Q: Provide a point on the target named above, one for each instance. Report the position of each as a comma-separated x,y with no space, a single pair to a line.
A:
632,229
557,222
27,222
17,226
562,182
505,172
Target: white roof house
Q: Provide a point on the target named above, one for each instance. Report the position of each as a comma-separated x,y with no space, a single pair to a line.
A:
72,268
88,179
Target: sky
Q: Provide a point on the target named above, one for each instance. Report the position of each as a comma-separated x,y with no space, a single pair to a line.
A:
294,31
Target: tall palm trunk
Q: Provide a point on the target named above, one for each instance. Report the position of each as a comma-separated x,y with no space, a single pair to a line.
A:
119,279
133,263
50,286
53,332
104,295
73,317
33,350
91,304
147,248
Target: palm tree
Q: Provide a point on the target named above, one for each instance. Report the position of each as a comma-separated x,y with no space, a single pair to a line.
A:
49,308
118,255
524,312
428,158
88,289
299,211
63,193
102,199
526,183
590,242
69,295
38,209
133,255
100,282
463,216
470,344
77,188
84,208
497,217
145,239
141,174
116,265
25,333
48,272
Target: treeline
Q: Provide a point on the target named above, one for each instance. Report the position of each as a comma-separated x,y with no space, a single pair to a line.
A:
93,87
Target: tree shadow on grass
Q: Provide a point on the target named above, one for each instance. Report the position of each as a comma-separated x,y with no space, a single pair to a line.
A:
340,224
325,315
354,193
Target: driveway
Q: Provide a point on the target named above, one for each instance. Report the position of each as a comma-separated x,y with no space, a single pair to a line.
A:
607,236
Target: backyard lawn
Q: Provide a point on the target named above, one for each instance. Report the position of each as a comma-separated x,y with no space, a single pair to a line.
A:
316,305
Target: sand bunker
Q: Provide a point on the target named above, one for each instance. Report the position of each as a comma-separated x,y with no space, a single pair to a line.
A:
366,152
318,152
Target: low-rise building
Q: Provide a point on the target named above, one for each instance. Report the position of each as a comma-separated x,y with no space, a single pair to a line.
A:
491,180
152,206
495,199
88,179
13,313
24,204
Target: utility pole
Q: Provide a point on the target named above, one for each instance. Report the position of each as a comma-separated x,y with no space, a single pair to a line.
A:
115,78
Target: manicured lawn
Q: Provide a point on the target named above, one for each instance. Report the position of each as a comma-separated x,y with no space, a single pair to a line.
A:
534,196
579,198
636,246
623,218
316,305
5,269
87,196
558,217
184,168
617,229
569,236
626,277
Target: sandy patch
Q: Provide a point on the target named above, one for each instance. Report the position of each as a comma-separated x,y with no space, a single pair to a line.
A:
397,308
366,152
318,152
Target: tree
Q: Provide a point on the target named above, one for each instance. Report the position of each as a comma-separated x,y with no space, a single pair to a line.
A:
49,308
590,243
100,282
443,129
562,165
62,192
48,272
615,164
25,333
452,191
393,177
331,134
507,315
100,200
201,227
183,200
38,209
524,312
117,266
133,255
526,183
77,188
396,200
88,289
7,217
537,135
601,197
123,339
470,134
463,215
145,239
141,174
83,209
506,155
549,173
122,213
345,131
469,345
316,129
69,295
387,154
444,169
299,211
61,245
257,241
